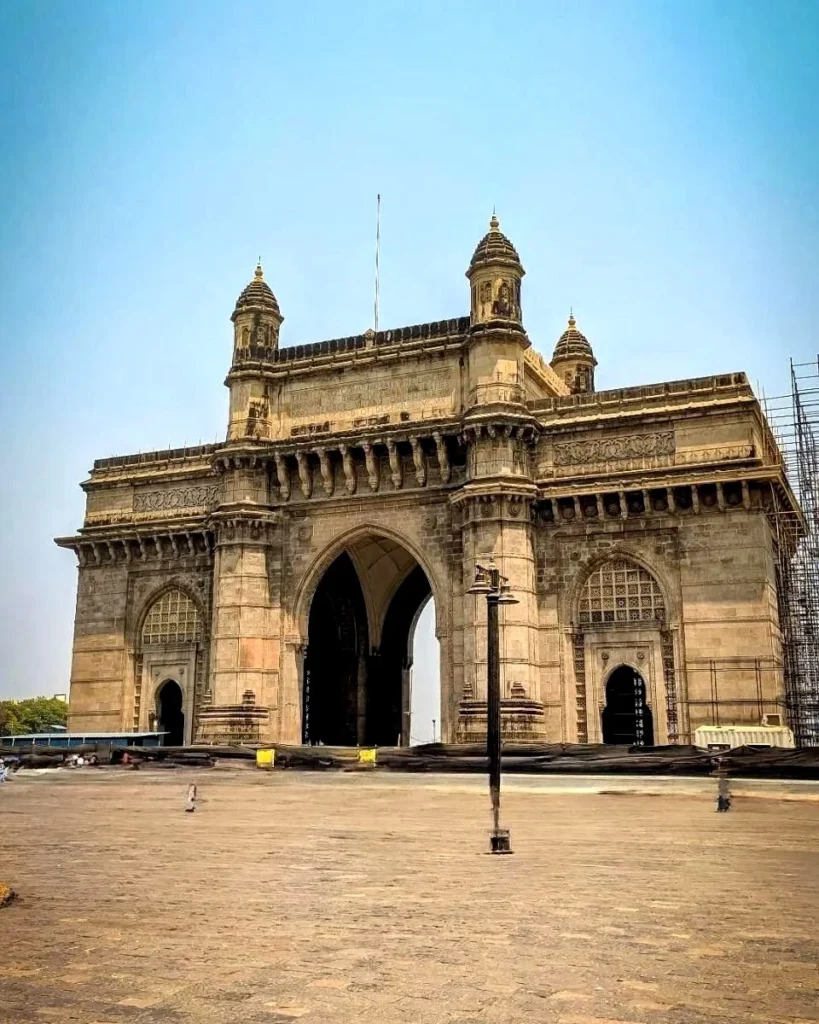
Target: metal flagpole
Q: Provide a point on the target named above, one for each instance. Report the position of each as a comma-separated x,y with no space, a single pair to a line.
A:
377,254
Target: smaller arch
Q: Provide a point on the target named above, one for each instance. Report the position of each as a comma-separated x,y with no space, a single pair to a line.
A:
169,701
627,717
193,619
571,600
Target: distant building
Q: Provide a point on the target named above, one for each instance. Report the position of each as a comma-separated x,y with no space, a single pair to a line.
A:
268,587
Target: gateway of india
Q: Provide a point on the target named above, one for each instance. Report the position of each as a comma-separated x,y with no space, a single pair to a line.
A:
267,588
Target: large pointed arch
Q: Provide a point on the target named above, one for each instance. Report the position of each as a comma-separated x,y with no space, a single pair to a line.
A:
373,583
345,541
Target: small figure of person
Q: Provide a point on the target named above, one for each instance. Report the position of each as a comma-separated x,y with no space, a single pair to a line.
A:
3,770
723,792
190,806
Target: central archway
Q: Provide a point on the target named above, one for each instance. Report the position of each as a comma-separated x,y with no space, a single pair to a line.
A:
359,657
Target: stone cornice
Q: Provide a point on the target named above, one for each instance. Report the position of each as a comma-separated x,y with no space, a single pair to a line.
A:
697,394
127,546
263,450
384,346
613,499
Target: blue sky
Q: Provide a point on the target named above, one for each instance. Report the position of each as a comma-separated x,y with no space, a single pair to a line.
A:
656,164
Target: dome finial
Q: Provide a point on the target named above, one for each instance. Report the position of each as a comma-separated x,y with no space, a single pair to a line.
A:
572,321
259,273
494,223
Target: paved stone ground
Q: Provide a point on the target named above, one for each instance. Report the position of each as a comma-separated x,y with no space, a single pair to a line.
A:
353,898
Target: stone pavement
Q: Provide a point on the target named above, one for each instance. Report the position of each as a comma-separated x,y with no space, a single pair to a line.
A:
352,898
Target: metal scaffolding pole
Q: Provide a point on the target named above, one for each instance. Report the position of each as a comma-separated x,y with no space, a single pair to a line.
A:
794,419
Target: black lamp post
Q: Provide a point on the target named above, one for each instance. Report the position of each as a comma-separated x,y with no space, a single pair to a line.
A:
488,581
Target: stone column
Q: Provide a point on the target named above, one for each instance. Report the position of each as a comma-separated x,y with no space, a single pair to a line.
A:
502,529
244,663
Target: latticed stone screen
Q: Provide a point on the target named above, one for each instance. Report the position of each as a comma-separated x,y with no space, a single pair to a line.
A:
621,592
173,619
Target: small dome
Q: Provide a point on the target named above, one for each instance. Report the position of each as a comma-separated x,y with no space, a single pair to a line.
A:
572,344
494,247
257,296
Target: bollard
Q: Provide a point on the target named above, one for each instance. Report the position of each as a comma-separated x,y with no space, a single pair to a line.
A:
265,758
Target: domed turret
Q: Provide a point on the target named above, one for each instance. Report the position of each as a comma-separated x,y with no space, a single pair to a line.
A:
573,360
256,317
495,273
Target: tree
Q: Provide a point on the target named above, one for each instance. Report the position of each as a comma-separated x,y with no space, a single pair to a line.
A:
35,714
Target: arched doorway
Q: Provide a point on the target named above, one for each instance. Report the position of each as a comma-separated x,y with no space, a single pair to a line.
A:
359,658
627,717
169,713
173,646
336,662
392,697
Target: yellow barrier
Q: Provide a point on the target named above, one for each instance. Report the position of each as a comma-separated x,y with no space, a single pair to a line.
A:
366,756
265,758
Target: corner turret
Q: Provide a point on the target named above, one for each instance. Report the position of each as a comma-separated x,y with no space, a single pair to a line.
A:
256,319
495,274
573,360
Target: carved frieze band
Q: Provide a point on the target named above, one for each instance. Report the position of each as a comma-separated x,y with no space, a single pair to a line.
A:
612,449
199,496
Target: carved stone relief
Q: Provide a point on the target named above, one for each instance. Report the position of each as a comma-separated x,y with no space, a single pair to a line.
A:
608,449
199,496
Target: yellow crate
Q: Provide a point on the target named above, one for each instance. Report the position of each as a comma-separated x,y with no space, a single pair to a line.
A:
265,758
366,756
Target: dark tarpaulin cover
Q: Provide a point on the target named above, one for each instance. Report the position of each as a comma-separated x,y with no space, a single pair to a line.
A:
518,758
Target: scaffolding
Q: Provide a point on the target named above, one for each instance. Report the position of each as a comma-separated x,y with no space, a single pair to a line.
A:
794,419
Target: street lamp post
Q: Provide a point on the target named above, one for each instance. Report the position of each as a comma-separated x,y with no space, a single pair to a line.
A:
496,589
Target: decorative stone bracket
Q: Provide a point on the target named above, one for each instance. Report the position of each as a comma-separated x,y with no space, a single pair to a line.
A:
303,460
721,496
142,546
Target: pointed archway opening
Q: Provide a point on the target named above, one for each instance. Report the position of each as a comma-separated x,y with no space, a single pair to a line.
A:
397,710
335,671
358,669
627,717
169,713
425,679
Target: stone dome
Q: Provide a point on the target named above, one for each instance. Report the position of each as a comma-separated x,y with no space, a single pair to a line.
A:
573,345
494,247
257,297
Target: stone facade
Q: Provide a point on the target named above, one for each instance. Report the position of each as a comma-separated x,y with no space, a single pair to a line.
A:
267,588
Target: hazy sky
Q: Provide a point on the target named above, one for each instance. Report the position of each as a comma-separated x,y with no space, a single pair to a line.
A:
655,163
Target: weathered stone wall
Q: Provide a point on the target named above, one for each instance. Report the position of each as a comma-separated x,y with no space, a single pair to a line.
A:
99,665
715,570
112,600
